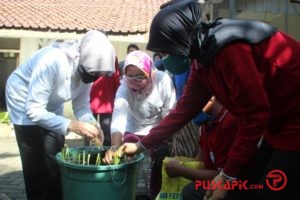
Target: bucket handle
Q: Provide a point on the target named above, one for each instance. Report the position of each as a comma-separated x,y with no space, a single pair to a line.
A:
114,181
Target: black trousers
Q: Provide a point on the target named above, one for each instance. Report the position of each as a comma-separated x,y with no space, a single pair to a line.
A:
269,159
38,148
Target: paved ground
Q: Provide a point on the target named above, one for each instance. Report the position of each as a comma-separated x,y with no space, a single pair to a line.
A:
11,178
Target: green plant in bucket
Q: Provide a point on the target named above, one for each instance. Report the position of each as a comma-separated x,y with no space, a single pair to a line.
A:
91,156
117,156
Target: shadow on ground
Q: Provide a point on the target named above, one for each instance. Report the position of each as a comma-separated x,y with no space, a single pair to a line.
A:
8,155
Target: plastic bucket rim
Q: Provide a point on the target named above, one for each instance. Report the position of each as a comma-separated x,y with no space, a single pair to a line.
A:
138,158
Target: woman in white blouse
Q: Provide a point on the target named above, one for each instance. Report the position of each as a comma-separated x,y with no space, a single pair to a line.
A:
143,99
35,94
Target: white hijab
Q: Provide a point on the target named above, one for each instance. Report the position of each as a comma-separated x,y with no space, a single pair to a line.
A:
96,53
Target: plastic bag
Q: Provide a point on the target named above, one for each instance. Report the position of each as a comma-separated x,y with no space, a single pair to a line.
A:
171,187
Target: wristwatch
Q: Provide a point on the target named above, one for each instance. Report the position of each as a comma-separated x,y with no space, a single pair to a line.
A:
227,178
113,148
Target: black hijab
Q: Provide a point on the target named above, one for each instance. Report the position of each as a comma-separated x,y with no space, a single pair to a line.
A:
178,29
171,29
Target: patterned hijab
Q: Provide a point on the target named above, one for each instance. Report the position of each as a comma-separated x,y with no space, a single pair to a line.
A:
141,60
144,62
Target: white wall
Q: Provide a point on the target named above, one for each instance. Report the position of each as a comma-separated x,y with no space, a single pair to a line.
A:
27,47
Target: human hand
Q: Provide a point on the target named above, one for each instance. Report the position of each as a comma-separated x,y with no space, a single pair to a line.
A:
100,137
108,158
172,168
131,148
216,194
84,129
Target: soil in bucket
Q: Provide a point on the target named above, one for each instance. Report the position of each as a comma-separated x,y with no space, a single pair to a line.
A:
85,177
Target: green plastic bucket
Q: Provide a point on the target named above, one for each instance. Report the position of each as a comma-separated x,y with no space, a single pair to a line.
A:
112,182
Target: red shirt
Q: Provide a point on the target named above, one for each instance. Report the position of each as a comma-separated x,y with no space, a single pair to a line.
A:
259,84
103,92
216,139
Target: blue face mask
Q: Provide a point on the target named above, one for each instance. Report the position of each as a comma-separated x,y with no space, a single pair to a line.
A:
157,63
176,64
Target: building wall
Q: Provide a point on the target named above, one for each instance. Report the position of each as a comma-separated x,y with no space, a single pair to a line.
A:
33,40
276,20
27,47
274,12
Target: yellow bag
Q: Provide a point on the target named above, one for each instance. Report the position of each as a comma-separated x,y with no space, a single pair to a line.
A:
171,187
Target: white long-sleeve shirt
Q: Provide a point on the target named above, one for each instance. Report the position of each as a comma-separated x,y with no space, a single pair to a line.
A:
37,90
137,114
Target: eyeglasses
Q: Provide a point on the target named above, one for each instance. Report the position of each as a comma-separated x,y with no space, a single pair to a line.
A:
137,77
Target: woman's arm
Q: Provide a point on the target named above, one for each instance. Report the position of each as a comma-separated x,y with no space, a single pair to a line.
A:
116,139
194,98
119,115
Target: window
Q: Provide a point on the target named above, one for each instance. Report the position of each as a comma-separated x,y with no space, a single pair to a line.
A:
9,58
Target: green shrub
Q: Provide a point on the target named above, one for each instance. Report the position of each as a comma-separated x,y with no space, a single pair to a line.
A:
4,118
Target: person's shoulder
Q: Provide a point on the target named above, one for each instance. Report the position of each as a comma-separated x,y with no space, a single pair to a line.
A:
48,57
52,53
123,88
234,47
229,53
51,49
162,76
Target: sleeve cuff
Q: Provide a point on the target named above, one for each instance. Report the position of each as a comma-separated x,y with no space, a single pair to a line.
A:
141,146
66,127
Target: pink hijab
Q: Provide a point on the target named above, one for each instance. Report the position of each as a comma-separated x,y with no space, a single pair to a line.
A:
141,60
144,62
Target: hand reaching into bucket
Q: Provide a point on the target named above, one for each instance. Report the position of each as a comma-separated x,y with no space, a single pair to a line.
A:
132,148
113,155
109,155
99,139
86,129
